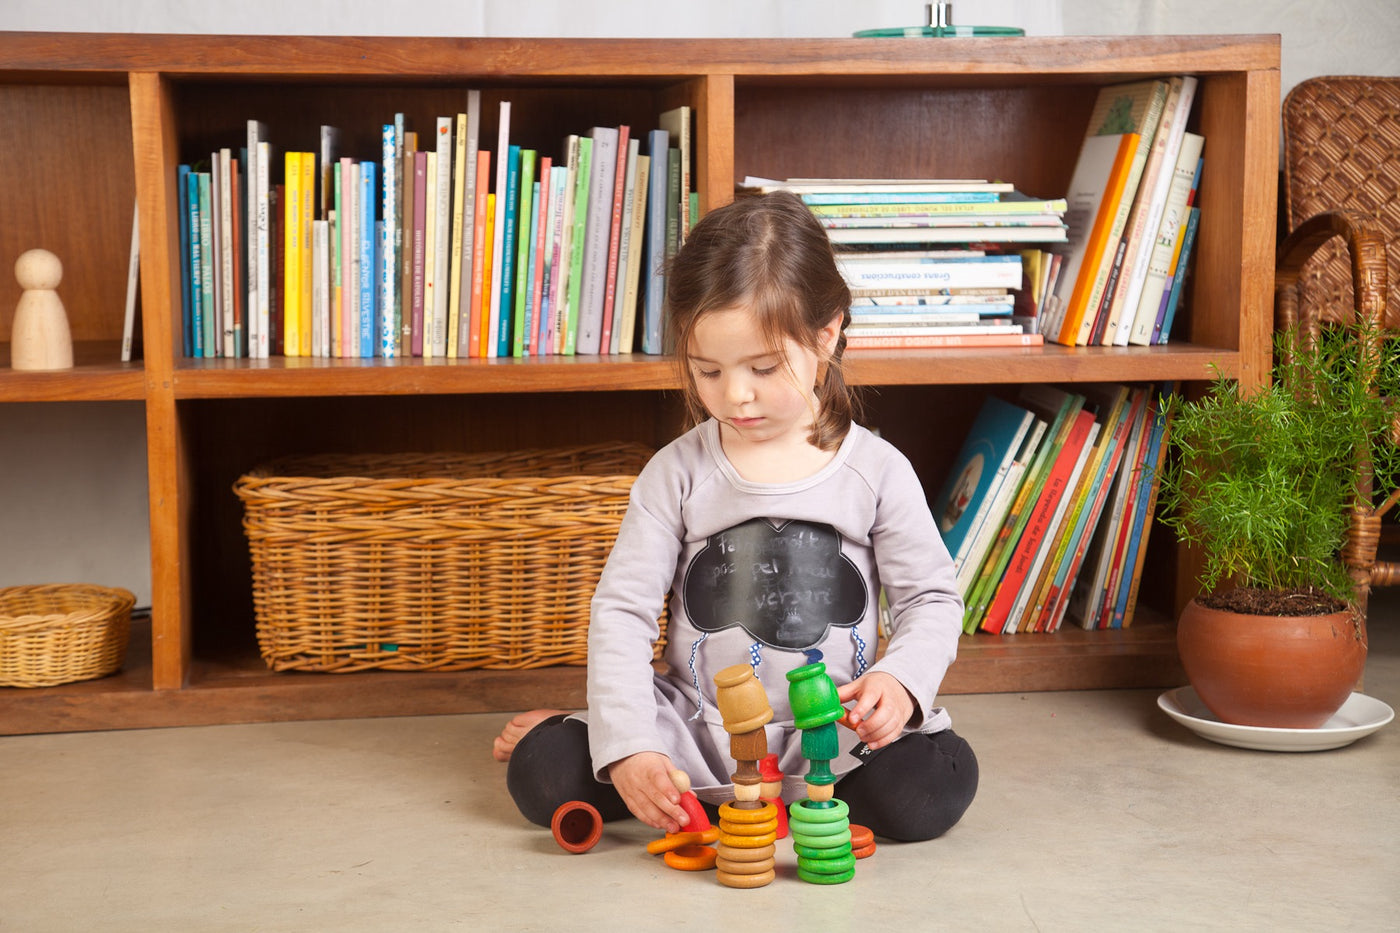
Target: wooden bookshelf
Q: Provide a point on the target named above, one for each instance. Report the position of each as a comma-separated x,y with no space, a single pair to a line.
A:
108,118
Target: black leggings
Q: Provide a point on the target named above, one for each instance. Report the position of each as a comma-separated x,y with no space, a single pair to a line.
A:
914,789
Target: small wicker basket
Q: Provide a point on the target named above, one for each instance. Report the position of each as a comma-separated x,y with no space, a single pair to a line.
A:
58,633
432,562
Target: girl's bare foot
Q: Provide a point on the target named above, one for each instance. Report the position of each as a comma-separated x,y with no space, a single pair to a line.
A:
516,728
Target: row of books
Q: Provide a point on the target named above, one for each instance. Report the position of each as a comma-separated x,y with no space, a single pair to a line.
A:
1049,505
445,250
1132,217
934,262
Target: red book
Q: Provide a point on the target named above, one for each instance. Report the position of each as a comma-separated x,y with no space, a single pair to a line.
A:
1024,555
614,239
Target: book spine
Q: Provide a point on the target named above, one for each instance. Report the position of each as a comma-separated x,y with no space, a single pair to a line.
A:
508,216
596,238
618,200
346,215
630,310
655,272
975,272
403,310
1159,260
487,318
582,188
534,308
944,340
457,221
479,276
208,335
525,216
441,237
499,228
369,241
467,338
420,223
1173,297
388,256
182,188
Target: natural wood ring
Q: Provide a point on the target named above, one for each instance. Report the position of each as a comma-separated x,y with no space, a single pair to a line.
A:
745,881
731,854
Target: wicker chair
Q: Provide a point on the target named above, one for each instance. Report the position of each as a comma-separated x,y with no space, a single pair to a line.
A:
1341,140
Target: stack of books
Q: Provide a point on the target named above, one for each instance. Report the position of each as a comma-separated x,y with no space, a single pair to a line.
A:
437,248
1048,507
1132,217
936,262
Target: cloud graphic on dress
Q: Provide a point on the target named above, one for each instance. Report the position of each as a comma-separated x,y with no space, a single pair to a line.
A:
783,584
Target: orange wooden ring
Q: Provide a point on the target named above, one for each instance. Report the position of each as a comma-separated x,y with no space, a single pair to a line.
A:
748,842
672,841
730,854
691,858
861,836
745,881
732,814
749,829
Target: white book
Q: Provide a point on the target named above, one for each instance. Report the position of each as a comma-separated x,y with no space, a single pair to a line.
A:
388,259
262,250
593,278
630,308
320,288
256,133
430,232
216,255
469,147
1156,203
559,285
624,250
1003,271
133,277
346,228
1159,261
498,244
441,191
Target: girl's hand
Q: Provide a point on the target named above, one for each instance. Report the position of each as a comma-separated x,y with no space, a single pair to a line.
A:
882,708
644,781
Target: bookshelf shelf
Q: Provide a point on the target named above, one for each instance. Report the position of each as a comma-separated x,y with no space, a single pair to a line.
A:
125,110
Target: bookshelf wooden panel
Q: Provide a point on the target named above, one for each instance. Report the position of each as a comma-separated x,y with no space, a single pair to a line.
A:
120,112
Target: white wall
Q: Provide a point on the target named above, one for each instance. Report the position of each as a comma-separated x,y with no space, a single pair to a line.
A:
72,477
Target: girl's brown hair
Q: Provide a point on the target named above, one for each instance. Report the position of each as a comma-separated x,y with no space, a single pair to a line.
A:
768,253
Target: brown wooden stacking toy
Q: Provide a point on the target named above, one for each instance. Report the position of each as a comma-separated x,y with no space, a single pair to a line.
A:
748,826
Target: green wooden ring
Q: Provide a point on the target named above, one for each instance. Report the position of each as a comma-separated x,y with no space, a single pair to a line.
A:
819,854
815,878
822,842
806,811
828,866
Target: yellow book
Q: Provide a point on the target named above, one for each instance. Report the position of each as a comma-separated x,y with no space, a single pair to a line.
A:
307,214
459,217
291,254
486,266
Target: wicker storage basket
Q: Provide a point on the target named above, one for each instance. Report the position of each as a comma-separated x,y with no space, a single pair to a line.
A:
432,561
58,633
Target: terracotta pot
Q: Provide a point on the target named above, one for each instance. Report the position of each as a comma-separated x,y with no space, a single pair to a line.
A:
577,826
1289,672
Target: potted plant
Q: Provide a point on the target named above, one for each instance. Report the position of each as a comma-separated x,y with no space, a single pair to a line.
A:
1268,485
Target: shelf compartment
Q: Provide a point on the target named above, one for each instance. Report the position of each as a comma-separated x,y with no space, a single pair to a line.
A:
97,375
240,688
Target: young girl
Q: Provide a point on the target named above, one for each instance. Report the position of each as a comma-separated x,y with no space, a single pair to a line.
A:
774,523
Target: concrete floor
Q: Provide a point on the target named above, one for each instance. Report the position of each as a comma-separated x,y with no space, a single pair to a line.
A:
1096,812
